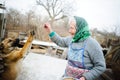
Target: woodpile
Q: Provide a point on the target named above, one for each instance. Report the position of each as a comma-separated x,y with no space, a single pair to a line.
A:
113,62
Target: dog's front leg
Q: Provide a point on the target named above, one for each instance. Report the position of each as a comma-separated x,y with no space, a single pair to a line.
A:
26,46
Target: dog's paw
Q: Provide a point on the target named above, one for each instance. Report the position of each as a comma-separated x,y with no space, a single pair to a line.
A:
32,32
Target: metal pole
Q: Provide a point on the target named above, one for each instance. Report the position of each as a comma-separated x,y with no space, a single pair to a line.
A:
2,31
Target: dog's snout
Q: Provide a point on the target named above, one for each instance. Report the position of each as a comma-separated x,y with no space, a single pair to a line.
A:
1,46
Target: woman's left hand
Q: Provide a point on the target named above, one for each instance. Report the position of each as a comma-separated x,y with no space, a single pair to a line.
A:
82,78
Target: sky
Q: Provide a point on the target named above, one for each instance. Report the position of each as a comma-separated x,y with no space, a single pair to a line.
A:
100,14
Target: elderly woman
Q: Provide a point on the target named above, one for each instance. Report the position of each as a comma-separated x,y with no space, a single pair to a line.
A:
85,56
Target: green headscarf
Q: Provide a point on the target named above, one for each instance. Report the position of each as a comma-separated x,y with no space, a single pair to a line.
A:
82,30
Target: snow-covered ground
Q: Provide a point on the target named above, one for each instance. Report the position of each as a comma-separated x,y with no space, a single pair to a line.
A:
41,67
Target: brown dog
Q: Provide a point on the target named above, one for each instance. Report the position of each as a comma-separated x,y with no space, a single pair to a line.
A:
12,56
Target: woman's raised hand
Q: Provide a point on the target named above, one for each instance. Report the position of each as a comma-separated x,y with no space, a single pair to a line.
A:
48,28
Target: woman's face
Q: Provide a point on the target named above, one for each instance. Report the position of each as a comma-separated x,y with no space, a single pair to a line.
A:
72,29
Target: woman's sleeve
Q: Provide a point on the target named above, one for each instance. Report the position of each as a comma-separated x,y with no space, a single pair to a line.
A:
97,58
60,41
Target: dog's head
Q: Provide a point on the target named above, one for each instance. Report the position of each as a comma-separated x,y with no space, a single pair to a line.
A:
7,44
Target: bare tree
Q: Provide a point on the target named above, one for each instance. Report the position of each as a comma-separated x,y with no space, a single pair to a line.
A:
55,8
112,34
116,30
30,19
13,17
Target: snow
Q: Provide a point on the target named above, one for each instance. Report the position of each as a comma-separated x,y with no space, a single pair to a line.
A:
44,43
41,67
37,42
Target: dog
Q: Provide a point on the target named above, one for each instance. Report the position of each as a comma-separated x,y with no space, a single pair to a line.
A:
12,56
